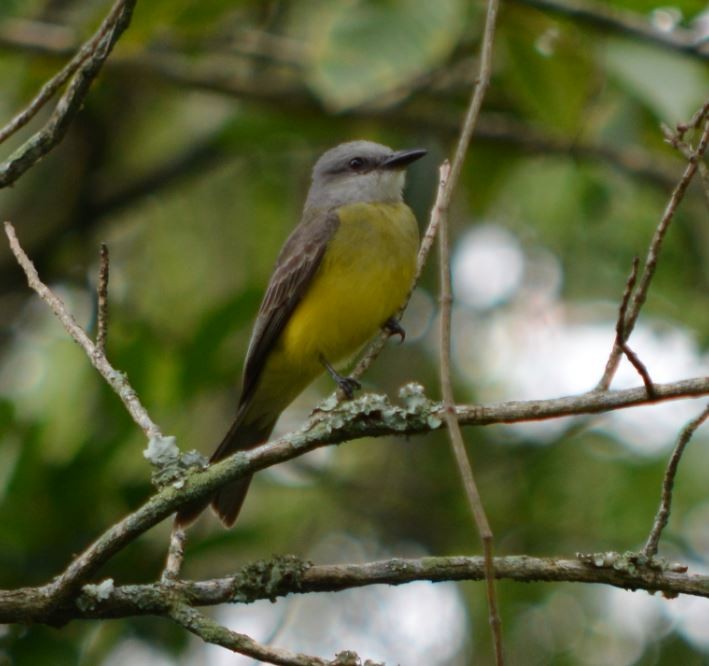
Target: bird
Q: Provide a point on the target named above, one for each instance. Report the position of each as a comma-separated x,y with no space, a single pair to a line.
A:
342,274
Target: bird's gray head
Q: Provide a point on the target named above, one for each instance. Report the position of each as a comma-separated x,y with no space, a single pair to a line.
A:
360,171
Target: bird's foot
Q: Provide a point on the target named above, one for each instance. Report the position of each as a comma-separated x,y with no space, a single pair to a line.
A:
348,385
393,327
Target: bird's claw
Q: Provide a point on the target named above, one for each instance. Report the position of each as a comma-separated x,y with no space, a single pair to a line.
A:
348,385
393,327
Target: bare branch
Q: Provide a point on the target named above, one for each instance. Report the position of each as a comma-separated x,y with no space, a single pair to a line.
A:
663,512
449,177
102,302
677,140
116,380
586,403
212,632
60,78
84,67
288,575
620,336
640,294
367,416
639,366
175,555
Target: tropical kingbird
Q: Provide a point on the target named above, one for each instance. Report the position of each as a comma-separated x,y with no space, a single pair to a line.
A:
343,273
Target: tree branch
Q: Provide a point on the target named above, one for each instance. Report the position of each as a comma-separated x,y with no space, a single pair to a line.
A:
115,379
663,512
449,176
367,416
102,301
620,335
653,253
370,415
84,67
282,576
48,90
212,632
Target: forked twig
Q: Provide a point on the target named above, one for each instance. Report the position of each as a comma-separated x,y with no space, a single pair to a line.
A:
115,379
620,335
48,90
653,253
84,68
676,140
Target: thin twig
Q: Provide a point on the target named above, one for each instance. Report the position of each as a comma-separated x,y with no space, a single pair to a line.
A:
175,555
40,143
677,140
653,254
694,122
48,90
456,437
449,179
620,336
663,512
102,301
627,292
115,379
704,180
212,632
640,367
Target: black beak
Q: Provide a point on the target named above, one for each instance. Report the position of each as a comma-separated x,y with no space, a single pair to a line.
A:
402,158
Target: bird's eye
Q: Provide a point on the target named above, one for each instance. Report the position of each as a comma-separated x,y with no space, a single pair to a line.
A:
356,163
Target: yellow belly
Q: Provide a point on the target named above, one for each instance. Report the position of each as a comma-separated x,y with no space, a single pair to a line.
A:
363,279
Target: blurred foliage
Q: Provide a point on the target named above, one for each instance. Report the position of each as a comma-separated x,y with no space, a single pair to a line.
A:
191,159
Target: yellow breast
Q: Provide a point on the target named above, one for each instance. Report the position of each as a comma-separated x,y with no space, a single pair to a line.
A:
363,279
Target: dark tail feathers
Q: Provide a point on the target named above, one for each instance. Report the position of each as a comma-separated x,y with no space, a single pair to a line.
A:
227,501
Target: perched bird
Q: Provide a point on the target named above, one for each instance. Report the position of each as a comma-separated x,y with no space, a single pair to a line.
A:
343,273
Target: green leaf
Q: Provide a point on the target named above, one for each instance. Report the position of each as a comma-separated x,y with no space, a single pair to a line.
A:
360,51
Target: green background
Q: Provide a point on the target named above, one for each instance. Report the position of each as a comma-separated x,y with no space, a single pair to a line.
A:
191,160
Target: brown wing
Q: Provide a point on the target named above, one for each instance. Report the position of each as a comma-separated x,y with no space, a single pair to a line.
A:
296,265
